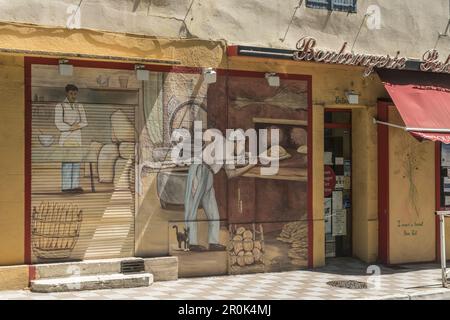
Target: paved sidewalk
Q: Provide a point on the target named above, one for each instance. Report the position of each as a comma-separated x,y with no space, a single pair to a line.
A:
418,281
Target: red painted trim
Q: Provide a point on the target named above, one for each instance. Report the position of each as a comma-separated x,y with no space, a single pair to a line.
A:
27,164
114,65
383,184
333,125
260,74
437,170
232,51
31,274
162,68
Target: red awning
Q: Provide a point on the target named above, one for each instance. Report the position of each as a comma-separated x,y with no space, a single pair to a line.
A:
423,101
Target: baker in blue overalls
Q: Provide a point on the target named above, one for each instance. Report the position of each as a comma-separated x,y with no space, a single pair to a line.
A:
70,118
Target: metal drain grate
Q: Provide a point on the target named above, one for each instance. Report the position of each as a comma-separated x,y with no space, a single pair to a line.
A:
132,266
348,284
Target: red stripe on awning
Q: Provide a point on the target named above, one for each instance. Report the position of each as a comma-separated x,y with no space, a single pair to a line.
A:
423,101
441,137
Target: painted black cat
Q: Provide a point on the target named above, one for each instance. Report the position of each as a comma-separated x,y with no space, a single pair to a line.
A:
182,237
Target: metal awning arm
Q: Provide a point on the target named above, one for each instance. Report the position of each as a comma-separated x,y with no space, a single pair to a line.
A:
435,130
375,121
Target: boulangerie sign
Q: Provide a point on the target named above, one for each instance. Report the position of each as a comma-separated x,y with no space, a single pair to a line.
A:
306,51
432,63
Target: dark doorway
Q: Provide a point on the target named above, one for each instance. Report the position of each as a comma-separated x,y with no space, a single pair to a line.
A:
338,189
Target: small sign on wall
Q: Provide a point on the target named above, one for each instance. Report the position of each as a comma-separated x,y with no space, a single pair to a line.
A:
327,215
446,184
347,183
347,168
329,181
447,200
337,200
340,183
339,222
328,158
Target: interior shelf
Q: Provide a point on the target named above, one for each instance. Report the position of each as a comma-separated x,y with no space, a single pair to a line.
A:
287,174
92,88
292,122
53,103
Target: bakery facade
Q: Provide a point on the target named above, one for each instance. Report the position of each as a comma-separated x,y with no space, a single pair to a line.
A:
87,166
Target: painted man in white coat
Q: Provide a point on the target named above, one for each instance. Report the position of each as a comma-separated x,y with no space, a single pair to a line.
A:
70,118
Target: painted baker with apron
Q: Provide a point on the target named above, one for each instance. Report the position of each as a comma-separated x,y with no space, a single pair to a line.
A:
70,118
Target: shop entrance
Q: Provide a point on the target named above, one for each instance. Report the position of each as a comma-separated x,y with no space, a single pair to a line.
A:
337,183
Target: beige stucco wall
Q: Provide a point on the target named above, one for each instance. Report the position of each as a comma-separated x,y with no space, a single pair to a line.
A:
364,184
411,26
193,52
12,150
14,277
318,185
411,196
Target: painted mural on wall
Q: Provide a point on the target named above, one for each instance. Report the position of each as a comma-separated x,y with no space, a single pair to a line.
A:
178,214
273,209
223,219
412,200
97,130
412,156
83,154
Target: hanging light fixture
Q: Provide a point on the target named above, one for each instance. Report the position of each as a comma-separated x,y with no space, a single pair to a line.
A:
210,75
273,79
142,74
65,69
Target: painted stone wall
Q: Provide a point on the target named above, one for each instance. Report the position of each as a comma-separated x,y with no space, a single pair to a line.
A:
411,26
261,223
411,196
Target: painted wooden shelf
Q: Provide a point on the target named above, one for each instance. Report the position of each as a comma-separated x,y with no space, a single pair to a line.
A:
113,89
54,103
287,174
131,89
345,106
292,122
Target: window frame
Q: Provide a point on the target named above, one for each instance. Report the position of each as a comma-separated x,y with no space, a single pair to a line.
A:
332,5
439,181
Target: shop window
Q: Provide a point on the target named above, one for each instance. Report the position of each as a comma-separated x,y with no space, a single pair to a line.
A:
445,176
83,134
333,5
